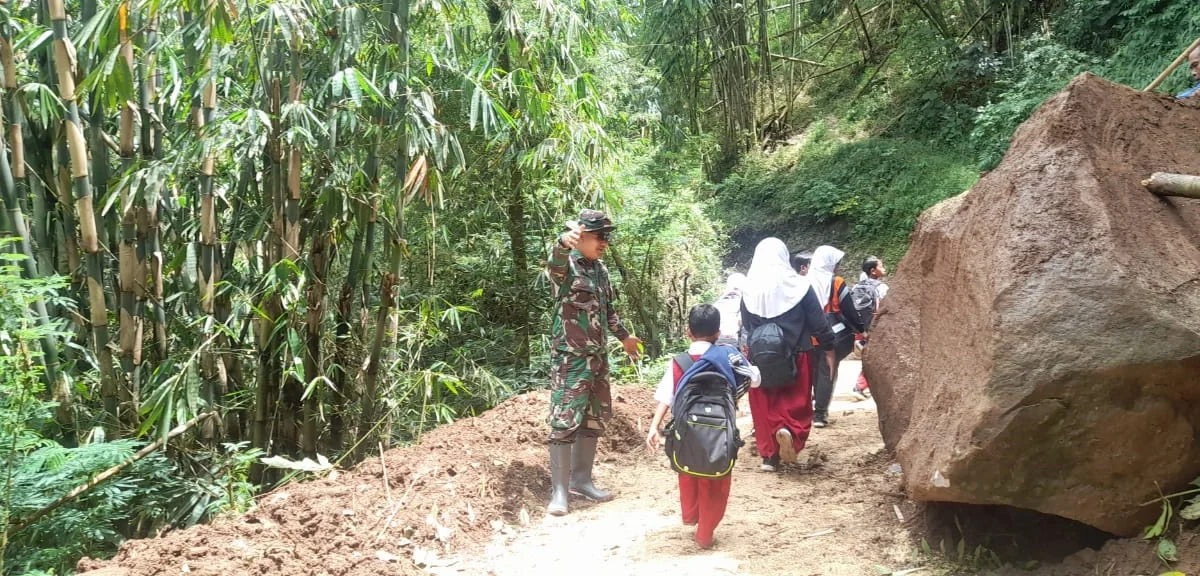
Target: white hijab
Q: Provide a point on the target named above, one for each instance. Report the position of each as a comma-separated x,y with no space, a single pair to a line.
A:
772,285
734,285
820,273
730,305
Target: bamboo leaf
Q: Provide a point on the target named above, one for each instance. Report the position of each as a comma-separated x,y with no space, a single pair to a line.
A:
355,87
336,84
369,87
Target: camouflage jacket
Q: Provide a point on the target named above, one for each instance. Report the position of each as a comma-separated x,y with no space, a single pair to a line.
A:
583,305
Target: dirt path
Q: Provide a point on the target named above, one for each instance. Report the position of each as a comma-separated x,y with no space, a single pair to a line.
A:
832,515
469,498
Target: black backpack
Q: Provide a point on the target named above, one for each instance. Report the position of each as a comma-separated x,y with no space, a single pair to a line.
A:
865,299
848,314
702,437
775,358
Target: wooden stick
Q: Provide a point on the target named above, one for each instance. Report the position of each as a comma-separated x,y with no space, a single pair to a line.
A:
1178,60
386,485
105,475
1167,184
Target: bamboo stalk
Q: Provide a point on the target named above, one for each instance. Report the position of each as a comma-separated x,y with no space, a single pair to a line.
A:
1172,66
8,189
153,259
64,63
130,266
386,294
1167,184
269,370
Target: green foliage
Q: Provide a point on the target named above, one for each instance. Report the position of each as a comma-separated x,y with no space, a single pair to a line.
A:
1043,69
1152,34
861,195
36,470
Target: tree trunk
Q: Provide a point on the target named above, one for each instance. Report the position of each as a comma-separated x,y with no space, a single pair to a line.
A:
313,366
266,435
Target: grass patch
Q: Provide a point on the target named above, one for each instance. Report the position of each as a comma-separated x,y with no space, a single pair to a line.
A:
861,195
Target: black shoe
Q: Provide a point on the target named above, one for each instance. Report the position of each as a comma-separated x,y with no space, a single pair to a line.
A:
770,464
820,420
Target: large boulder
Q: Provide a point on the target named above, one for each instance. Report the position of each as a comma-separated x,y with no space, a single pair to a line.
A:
1040,346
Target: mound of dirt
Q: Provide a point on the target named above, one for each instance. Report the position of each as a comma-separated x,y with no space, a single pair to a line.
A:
455,488
1040,344
1119,558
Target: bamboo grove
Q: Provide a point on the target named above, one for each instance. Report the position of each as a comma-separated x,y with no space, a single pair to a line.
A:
245,193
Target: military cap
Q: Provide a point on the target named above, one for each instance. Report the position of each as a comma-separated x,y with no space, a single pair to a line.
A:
595,221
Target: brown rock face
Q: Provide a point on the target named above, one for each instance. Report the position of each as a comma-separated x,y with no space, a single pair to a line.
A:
1040,345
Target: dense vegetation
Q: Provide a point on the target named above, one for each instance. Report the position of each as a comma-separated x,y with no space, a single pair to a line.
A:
902,104
322,223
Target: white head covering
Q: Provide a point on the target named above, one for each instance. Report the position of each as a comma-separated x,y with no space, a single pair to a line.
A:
772,285
820,273
734,284
730,305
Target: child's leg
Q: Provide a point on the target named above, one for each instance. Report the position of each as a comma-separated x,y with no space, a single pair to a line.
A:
714,496
689,498
764,426
862,382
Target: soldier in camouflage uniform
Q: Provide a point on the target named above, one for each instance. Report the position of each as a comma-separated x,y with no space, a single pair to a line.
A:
580,401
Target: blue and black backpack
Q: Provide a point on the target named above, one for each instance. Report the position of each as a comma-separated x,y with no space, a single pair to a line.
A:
703,438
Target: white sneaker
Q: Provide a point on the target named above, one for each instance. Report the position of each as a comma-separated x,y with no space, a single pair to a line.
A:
787,449
858,396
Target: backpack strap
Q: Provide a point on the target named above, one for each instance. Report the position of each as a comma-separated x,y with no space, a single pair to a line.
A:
835,294
684,361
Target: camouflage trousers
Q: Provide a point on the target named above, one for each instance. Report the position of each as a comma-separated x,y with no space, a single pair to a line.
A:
580,399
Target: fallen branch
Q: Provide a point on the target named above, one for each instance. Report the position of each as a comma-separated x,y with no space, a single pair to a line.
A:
386,485
1167,184
105,475
1171,68
798,60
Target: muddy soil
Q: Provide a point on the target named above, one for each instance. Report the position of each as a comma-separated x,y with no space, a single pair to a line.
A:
469,499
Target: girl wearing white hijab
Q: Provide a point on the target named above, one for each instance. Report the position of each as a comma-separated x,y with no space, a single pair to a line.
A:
824,265
775,293
822,273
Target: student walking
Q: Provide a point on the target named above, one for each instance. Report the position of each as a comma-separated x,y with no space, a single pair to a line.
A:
730,307
833,295
867,294
780,310
703,496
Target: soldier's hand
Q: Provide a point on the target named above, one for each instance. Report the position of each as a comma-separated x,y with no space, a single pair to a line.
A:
632,346
570,238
